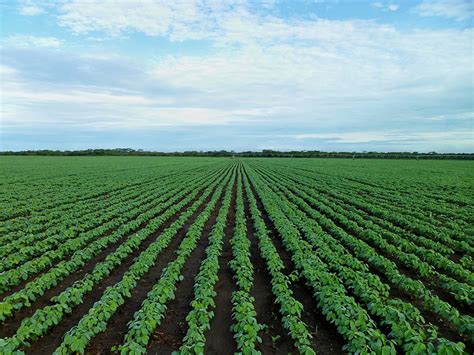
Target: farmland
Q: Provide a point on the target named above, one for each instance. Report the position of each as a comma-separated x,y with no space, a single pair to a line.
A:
217,255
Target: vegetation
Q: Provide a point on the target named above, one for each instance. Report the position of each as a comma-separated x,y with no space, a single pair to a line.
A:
131,255
261,154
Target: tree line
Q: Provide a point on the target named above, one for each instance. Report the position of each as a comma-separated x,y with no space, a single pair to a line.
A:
257,154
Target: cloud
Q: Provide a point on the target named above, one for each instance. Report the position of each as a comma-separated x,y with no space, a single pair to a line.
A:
104,110
459,10
393,7
74,96
272,74
35,7
269,4
32,41
386,6
34,96
177,20
371,68
391,136
468,116
30,8
153,18
6,71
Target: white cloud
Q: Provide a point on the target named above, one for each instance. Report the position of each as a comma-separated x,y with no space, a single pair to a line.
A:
465,137
6,71
75,96
123,116
459,10
299,75
269,4
30,8
386,6
37,7
23,104
315,72
369,62
153,18
32,41
468,116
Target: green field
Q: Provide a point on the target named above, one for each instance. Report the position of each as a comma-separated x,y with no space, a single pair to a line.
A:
217,255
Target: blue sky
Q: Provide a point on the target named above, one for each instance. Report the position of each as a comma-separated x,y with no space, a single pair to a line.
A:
237,75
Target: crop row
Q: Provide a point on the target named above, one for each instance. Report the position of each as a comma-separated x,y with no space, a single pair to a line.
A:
387,241
155,218
127,221
245,325
407,326
24,249
153,308
96,319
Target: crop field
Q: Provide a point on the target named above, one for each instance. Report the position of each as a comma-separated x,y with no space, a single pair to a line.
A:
154,255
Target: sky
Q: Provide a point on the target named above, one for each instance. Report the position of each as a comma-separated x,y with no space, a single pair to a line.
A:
237,75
